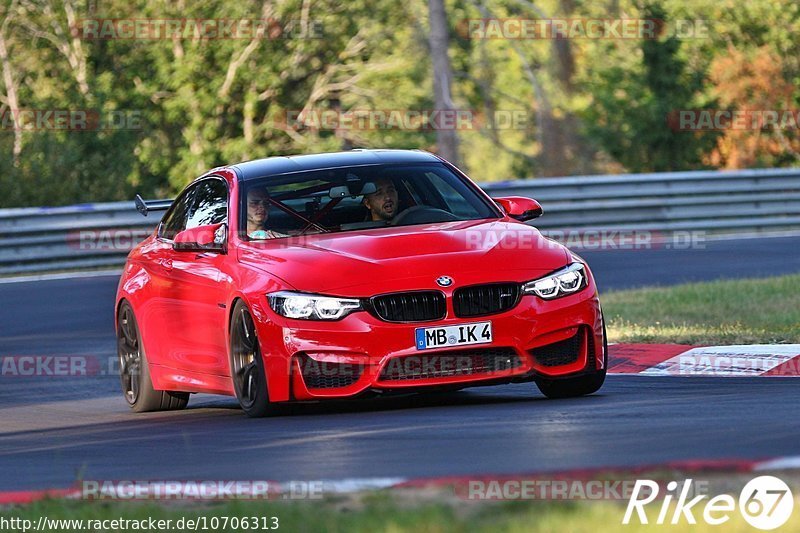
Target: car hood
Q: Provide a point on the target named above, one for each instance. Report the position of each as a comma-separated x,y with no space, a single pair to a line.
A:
362,263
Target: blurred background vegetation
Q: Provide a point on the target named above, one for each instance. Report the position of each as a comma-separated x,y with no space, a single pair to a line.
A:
595,105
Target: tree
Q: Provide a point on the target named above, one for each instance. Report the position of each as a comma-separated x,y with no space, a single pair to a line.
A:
753,85
446,138
632,100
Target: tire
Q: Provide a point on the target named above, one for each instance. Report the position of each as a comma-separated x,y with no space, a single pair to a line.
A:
247,365
579,385
134,371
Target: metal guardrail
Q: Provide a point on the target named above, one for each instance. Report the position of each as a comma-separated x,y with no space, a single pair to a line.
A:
93,236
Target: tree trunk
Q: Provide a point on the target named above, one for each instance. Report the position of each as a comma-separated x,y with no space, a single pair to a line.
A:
446,138
11,97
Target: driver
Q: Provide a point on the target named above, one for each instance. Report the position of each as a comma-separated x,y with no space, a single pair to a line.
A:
257,215
382,204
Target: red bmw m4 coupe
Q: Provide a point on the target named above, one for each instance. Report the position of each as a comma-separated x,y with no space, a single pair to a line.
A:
342,275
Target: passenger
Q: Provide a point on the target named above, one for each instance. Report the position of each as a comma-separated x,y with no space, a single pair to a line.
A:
257,215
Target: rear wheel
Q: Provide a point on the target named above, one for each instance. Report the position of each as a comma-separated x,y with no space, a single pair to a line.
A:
134,372
247,364
578,386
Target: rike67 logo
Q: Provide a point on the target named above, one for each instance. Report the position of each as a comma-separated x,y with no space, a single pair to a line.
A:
765,502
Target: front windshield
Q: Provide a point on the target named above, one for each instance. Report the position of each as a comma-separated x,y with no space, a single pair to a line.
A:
357,198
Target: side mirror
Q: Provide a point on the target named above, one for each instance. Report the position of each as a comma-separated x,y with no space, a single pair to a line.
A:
211,238
519,207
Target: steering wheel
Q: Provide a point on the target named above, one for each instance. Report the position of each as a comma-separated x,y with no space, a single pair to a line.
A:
420,214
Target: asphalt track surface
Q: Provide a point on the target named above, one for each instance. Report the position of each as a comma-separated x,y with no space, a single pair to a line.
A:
54,430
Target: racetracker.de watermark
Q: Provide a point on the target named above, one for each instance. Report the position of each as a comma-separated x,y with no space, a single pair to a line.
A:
586,239
730,364
70,119
91,240
692,120
555,489
411,366
149,29
406,119
581,28
57,366
203,490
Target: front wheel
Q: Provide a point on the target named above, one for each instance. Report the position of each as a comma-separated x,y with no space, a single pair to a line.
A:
247,364
134,371
577,386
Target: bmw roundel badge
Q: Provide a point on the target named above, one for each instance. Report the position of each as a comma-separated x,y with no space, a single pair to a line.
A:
444,281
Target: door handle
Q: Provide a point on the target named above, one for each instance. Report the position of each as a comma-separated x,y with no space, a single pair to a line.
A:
166,263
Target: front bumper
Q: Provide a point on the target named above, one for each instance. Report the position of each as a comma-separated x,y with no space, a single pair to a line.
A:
308,360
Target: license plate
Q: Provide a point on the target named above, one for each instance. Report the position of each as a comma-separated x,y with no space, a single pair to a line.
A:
460,335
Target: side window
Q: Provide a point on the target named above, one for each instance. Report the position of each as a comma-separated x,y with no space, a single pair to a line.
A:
175,219
210,205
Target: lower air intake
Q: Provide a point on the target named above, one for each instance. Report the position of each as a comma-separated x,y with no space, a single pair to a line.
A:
562,352
324,375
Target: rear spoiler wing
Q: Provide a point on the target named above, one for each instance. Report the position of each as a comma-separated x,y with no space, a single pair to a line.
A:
145,206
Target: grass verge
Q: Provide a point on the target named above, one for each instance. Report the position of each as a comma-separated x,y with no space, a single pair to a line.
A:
749,311
375,512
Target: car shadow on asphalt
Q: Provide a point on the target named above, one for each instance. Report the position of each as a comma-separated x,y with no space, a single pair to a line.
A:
499,395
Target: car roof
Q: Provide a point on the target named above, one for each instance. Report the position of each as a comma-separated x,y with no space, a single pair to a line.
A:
270,166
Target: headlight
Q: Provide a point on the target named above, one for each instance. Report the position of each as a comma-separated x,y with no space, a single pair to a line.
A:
312,306
568,280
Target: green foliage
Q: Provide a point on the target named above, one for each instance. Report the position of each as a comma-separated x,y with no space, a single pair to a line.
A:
632,101
581,105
